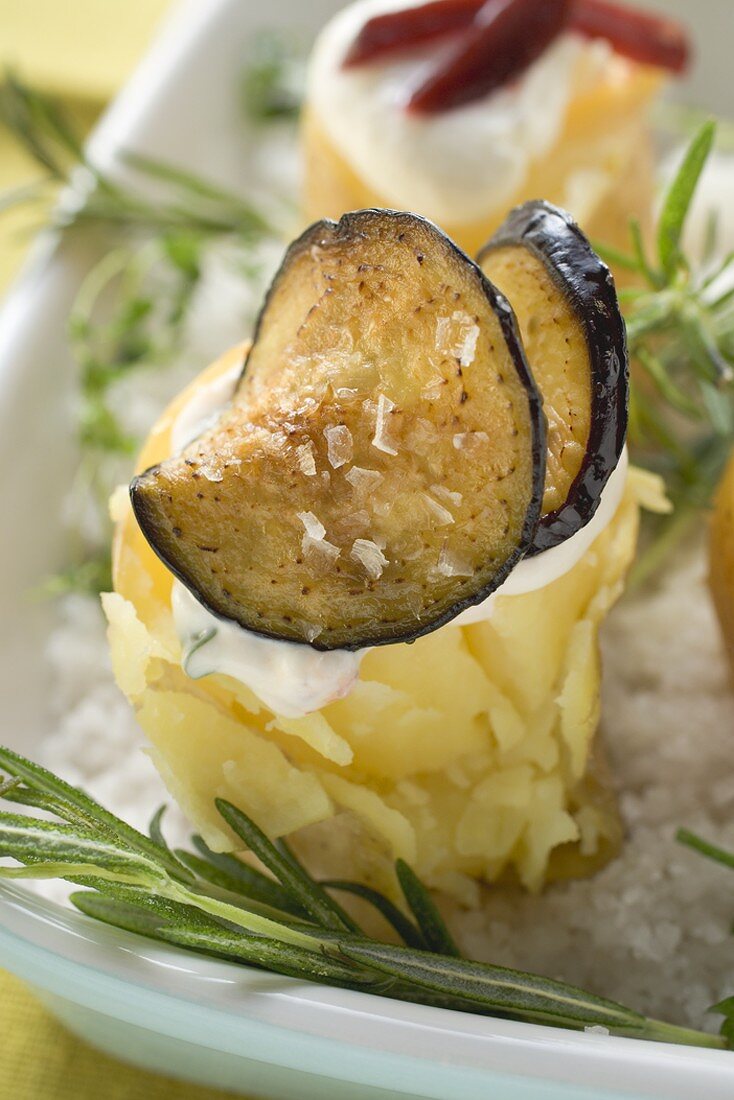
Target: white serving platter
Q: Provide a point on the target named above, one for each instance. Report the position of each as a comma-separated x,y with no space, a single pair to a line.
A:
164,1009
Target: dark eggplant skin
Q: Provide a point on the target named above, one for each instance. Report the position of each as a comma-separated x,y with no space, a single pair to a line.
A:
352,225
552,235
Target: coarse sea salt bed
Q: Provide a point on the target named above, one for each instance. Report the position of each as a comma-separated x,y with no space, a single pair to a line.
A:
653,928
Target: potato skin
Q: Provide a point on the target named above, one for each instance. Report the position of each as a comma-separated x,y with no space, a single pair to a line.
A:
721,557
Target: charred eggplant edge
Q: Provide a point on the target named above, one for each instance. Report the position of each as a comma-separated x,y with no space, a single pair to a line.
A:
350,223
554,238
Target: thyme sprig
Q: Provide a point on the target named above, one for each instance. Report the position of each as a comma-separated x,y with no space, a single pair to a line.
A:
282,919
680,332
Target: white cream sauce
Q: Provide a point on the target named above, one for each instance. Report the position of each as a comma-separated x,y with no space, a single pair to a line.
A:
290,679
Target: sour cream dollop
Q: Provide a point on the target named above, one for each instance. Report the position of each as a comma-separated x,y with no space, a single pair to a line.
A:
457,167
292,679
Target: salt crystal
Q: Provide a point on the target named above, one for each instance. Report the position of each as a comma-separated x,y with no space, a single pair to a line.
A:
424,433
457,335
468,347
314,528
211,472
447,494
464,440
382,439
443,333
306,460
319,547
440,514
311,631
369,555
451,565
354,524
432,390
339,445
363,479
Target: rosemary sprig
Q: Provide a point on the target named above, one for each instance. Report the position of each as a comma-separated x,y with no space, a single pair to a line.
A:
680,331
138,884
131,310
46,132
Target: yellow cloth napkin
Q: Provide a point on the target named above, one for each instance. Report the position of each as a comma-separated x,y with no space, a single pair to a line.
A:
81,50
42,1061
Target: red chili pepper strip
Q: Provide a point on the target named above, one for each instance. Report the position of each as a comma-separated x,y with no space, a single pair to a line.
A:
504,39
401,30
640,36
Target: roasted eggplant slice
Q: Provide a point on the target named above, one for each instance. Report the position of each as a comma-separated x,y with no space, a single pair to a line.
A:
564,298
381,465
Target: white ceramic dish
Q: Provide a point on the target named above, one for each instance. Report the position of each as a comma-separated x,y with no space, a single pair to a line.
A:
156,1006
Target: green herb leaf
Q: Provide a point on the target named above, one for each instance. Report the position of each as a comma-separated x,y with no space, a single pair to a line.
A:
289,873
615,257
89,577
212,877
436,935
240,878
282,959
84,808
158,907
130,918
680,334
725,1008
155,831
653,277
495,988
405,928
678,199
272,81
711,851
70,850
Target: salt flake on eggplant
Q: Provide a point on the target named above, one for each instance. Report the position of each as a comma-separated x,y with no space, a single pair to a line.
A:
359,277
